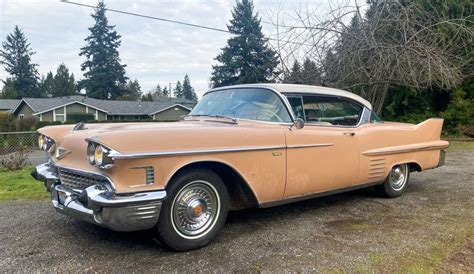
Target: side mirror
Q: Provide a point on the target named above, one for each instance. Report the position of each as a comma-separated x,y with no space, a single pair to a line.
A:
298,124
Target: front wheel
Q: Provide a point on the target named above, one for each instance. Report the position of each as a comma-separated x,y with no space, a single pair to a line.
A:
396,182
194,211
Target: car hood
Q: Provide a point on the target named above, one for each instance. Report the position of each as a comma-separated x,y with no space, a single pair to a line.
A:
139,138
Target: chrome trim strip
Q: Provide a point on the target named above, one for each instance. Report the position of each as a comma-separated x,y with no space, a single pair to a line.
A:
118,155
402,150
309,145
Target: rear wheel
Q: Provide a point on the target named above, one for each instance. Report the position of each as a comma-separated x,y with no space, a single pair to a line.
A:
396,182
194,211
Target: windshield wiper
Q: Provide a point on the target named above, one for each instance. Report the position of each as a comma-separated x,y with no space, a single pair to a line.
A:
230,119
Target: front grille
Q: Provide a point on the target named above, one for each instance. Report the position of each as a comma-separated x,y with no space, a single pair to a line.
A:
79,180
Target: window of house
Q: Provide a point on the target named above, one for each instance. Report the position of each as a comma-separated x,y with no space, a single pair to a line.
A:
60,117
21,116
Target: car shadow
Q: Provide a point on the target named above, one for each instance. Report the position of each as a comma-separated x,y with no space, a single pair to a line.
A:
238,223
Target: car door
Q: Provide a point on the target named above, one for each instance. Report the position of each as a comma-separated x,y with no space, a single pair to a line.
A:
323,155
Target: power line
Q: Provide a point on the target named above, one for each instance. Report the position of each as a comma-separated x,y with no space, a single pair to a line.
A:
149,17
175,21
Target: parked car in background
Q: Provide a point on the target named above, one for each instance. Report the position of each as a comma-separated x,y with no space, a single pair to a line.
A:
241,146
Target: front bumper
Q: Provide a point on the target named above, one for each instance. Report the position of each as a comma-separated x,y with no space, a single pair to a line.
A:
99,205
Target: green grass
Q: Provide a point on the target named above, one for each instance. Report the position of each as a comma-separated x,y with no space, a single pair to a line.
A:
19,185
460,146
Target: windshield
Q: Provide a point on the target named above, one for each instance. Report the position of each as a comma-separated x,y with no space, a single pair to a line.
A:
243,103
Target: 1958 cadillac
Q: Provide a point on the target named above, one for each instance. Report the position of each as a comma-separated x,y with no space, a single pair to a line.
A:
241,146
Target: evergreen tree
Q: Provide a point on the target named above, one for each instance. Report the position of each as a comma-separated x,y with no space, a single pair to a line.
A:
149,97
294,76
63,84
16,57
104,73
188,90
178,90
157,92
130,91
166,92
47,84
246,58
310,74
8,90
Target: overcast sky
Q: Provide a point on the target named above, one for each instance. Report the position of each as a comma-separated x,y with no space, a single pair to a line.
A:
155,52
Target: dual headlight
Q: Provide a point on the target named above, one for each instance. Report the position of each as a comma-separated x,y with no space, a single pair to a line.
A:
45,143
98,155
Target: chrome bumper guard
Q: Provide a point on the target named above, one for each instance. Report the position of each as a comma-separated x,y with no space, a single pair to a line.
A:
98,205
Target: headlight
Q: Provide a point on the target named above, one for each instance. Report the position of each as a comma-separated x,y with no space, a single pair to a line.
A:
45,143
98,155
91,153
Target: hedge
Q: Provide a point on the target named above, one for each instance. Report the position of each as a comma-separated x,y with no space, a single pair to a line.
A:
80,117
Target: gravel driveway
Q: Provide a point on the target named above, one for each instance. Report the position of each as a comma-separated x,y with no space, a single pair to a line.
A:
355,231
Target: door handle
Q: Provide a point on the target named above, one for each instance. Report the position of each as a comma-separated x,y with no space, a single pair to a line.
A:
349,133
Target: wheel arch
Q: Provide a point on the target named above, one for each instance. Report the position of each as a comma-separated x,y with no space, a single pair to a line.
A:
412,164
240,193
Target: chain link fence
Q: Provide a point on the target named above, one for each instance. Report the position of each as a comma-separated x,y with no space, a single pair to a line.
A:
15,141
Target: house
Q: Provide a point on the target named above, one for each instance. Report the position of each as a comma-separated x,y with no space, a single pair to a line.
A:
6,105
58,108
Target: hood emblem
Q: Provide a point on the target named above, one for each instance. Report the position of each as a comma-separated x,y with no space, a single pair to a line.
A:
61,153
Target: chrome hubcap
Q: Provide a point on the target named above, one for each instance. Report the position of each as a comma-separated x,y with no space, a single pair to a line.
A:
398,177
195,209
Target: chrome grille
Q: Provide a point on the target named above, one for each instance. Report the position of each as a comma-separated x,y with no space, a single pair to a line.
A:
79,180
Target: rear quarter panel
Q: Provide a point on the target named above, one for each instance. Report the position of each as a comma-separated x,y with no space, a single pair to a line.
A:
381,146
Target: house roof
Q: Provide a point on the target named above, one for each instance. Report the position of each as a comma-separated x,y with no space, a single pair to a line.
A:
291,88
111,107
8,104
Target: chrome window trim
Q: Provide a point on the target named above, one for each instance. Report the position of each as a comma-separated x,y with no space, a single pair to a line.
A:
365,110
279,94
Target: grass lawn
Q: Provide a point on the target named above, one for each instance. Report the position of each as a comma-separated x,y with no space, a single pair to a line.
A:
459,146
19,185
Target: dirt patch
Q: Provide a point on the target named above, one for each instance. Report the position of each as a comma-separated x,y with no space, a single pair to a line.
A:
461,260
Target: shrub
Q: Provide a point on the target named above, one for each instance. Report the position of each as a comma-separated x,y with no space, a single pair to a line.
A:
460,112
14,161
41,124
80,117
6,121
26,124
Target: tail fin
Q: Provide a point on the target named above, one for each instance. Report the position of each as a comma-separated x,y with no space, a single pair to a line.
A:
431,128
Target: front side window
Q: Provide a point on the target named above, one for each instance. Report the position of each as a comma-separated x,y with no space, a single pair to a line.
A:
246,103
374,118
297,106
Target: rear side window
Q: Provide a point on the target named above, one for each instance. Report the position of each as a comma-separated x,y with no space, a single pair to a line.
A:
331,111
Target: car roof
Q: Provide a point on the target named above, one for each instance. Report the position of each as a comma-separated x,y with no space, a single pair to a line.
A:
292,88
